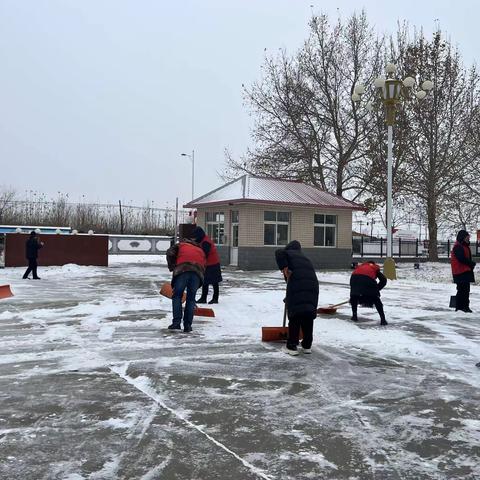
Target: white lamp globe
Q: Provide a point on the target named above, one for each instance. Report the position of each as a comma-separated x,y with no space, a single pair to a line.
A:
356,97
18,230
421,94
74,232
409,82
58,231
359,89
37,231
427,85
90,232
379,82
390,68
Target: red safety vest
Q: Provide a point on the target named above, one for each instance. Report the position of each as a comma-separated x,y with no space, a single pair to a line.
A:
212,257
188,253
457,266
369,269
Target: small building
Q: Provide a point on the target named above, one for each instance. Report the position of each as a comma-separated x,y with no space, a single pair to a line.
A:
249,218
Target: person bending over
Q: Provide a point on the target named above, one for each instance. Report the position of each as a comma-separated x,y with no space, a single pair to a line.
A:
365,290
187,262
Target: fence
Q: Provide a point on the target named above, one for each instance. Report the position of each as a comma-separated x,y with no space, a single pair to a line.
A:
101,218
138,244
364,247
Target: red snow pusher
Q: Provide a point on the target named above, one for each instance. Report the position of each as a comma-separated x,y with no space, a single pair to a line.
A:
331,309
278,334
167,291
5,291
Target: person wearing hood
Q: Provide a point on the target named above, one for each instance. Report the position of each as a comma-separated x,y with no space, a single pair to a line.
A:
365,290
213,272
462,270
302,295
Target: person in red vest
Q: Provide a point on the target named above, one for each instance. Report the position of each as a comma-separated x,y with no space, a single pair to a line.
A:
187,262
365,290
462,270
213,272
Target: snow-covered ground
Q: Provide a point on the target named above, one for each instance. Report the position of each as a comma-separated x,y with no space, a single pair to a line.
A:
93,386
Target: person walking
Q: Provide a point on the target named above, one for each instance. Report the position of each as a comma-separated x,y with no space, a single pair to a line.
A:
365,290
302,295
187,262
462,270
213,272
32,246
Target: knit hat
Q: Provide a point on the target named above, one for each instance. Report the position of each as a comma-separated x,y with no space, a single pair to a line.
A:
462,235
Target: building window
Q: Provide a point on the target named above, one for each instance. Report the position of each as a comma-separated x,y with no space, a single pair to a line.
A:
215,222
324,230
276,228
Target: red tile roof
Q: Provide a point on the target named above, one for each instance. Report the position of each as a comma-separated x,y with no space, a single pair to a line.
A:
253,189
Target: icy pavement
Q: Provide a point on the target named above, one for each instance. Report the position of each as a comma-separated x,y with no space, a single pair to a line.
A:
92,386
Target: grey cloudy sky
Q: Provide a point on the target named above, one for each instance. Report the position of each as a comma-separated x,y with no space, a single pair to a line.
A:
99,97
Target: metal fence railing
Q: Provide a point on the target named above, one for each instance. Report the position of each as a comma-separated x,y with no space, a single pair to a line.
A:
364,247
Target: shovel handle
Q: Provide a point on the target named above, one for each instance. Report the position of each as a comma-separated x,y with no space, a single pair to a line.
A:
339,304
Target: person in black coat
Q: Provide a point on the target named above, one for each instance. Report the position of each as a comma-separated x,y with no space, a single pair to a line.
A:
302,295
365,290
32,246
462,270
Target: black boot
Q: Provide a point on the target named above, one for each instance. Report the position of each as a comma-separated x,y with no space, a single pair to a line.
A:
213,300
202,299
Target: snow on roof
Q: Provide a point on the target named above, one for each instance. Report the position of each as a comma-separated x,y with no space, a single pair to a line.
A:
253,189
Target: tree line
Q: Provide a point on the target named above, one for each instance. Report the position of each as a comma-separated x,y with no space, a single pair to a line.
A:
307,127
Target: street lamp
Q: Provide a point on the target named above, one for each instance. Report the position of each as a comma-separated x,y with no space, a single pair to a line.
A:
192,158
392,91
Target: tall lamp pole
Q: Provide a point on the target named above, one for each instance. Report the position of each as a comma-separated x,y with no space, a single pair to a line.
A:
392,92
192,158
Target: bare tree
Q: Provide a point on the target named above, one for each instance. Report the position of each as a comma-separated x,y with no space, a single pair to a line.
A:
306,125
7,195
443,144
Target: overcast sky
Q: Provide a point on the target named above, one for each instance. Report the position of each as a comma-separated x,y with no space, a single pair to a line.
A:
100,97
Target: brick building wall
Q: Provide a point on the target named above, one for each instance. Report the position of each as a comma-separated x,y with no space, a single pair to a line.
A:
253,255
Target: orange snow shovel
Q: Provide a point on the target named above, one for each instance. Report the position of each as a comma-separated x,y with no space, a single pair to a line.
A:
167,291
5,291
276,334
331,309
203,312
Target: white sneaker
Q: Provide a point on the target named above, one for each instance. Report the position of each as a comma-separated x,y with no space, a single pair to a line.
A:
306,350
286,350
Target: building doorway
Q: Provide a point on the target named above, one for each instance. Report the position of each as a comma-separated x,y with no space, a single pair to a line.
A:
234,237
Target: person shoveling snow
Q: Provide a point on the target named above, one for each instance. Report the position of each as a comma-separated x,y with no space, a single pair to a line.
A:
302,295
365,290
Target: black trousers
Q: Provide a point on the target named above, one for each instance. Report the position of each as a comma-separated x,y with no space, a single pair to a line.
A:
216,291
354,301
305,322
463,295
32,267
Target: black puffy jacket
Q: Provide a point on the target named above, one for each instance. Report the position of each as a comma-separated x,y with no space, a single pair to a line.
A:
302,286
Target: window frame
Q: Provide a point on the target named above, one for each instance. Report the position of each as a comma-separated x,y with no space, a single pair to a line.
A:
276,223
325,225
213,218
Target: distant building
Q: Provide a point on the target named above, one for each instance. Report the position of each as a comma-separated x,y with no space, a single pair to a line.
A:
252,216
